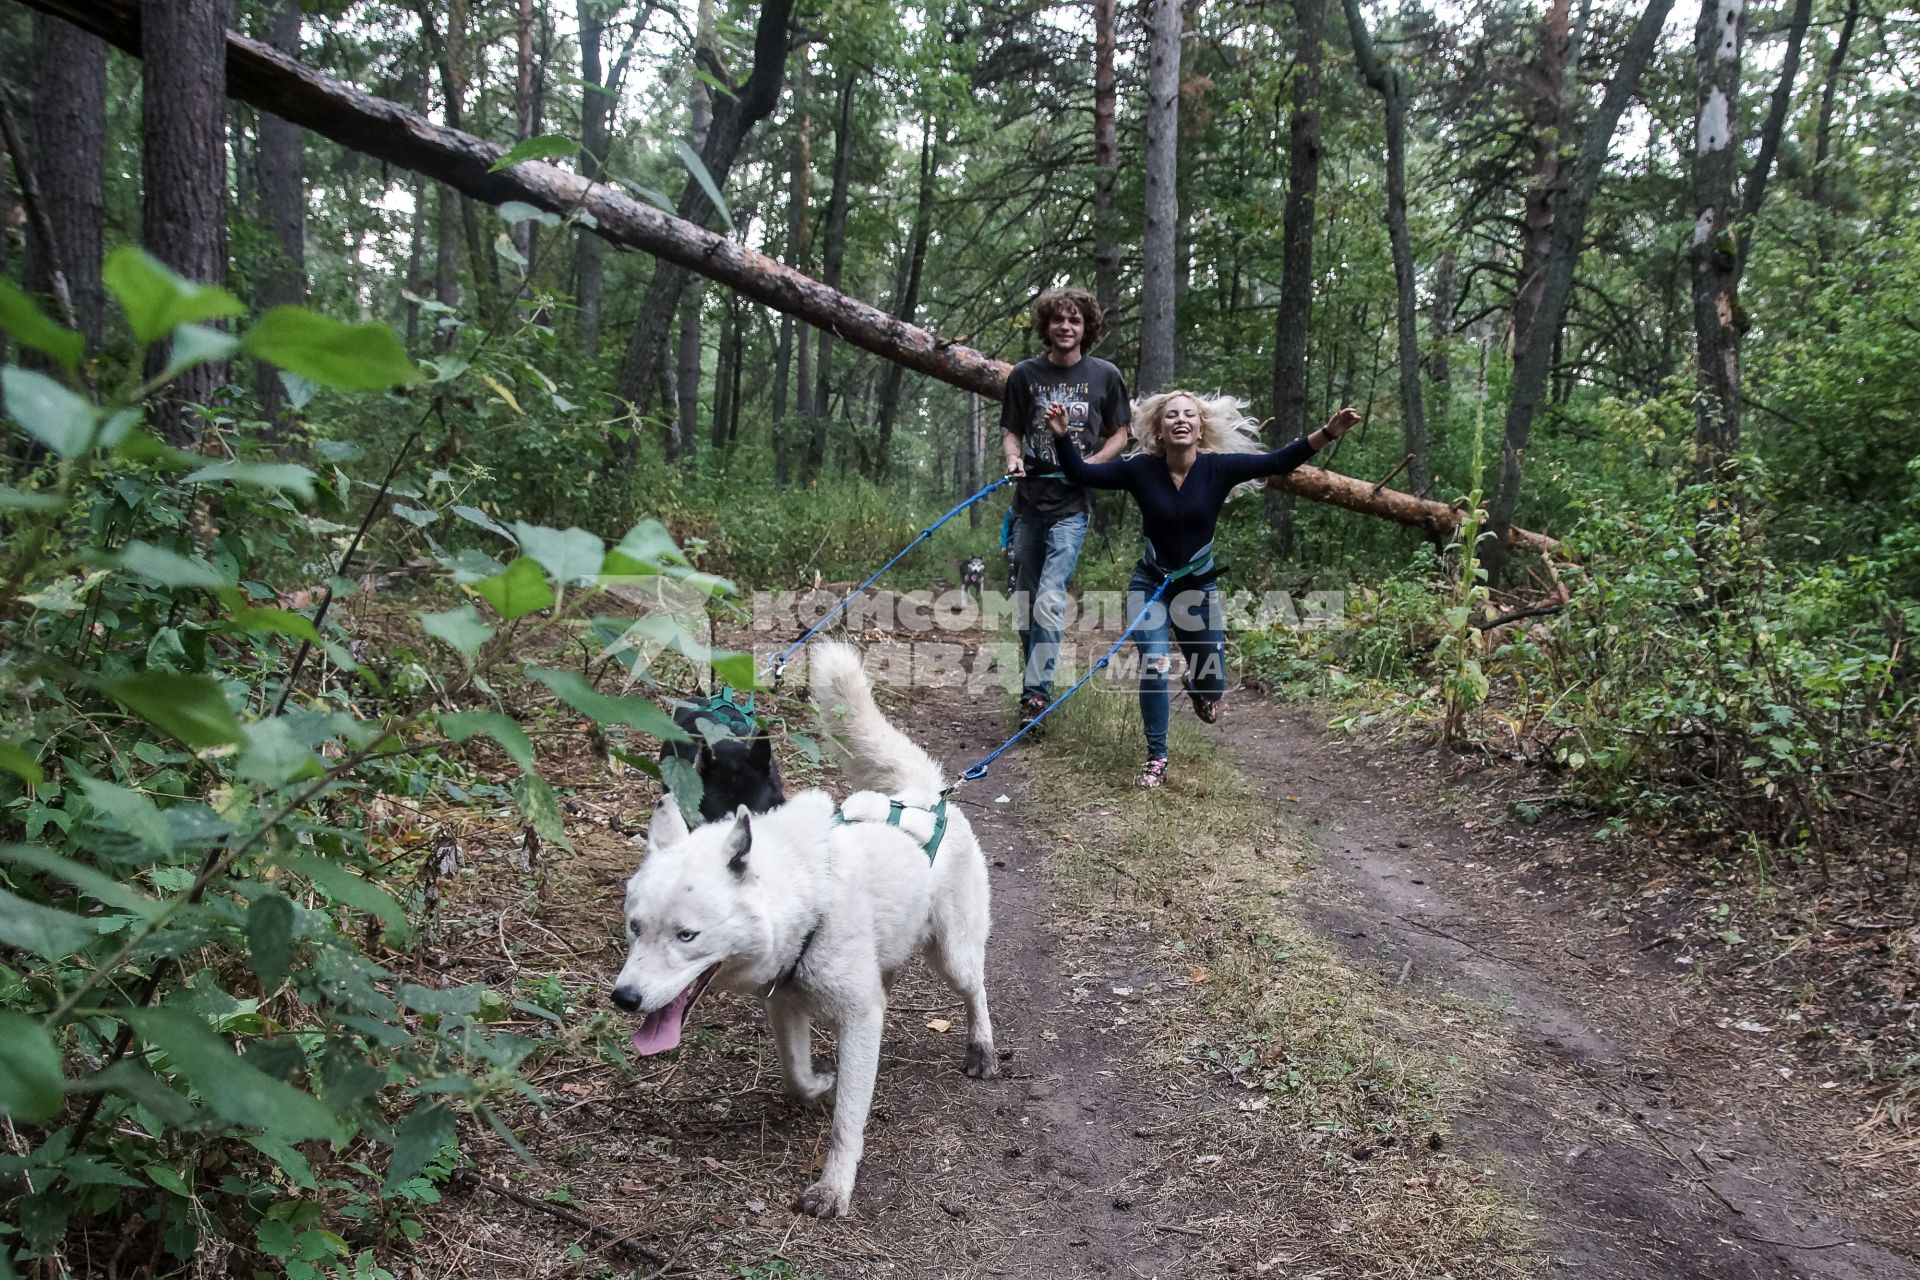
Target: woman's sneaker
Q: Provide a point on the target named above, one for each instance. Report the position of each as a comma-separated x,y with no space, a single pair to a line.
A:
1208,709
1154,773
1032,706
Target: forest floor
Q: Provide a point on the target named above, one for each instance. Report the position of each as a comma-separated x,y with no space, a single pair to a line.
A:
1308,1011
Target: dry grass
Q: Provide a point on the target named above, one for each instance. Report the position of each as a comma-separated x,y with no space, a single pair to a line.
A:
1342,1083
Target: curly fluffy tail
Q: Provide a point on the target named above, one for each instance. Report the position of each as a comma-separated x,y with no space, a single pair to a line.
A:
874,755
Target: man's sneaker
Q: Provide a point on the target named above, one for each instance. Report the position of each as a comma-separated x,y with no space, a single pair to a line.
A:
1154,773
1031,707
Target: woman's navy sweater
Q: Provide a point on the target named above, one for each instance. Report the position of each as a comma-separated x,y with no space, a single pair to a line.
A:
1178,520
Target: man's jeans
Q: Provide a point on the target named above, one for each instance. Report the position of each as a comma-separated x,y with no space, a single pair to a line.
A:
1191,619
1044,555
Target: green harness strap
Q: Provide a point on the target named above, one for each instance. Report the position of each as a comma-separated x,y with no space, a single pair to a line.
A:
895,808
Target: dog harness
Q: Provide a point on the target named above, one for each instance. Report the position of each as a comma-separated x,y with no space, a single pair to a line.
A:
727,709
895,808
1200,568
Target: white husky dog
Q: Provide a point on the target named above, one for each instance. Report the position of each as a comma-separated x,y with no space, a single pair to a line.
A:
814,911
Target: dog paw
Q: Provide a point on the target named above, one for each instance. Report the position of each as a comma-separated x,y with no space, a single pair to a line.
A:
981,1063
813,1088
825,1200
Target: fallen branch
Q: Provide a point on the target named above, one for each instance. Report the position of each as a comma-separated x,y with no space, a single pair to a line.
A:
621,1242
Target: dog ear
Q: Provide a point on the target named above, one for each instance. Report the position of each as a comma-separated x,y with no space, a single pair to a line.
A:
739,841
668,826
760,751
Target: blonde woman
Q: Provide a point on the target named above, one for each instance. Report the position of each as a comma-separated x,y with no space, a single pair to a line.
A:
1193,451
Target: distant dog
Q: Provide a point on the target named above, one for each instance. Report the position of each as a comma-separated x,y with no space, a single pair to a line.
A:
814,912
733,757
973,574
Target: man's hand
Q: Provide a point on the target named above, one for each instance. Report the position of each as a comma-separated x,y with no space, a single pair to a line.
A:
1341,422
1057,418
1016,466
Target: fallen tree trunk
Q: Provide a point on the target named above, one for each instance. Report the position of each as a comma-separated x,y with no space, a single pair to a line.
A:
266,78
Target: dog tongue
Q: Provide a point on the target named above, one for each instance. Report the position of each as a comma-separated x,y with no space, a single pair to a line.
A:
660,1030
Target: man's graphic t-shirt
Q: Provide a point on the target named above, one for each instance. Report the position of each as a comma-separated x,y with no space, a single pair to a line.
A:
1095,396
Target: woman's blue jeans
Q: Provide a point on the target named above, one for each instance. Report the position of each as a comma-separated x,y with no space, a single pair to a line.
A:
1190,618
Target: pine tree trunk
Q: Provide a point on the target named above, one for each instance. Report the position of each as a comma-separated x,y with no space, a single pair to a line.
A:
1296,263
1534,360
446,260
1391,85
1440,337
798,258
67,128
909,305
283,212
1541,111
1822,186
183,76
687,376
589,263
734,115
1162,169
1106,157
834,255
1717,42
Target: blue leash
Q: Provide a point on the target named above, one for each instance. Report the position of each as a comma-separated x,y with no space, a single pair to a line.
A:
780,660
978,769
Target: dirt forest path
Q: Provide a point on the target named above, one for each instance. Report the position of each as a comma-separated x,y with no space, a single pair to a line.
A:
1565,1123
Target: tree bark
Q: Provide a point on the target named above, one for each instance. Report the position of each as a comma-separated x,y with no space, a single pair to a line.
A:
1440,335
1542,112
734,114
67,127
184,173
283,212
389,131
687,375
909,303
1162,169
1392,88
1534,360
799,257
1106,157
1717,43
1822,186
833,260
1295,313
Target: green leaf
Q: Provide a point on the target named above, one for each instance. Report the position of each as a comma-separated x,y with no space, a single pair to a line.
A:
275,622
231,1087
21,764
191,708
542,810
12,499
734,670
94,884
424,1134
462,628
168,1180
22,319
270,939
521,590
356,357
649,543
195,345
350,890
170,568
682,780
474,515
44,931
568,555
47,411
156,299
30,1080
504,247
502,728
288,476
549,146
118,809
698,168
638,713
517,211
272,756
288,1157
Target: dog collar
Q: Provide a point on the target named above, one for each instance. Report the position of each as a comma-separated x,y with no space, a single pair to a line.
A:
786,978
